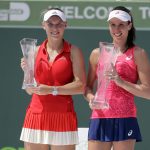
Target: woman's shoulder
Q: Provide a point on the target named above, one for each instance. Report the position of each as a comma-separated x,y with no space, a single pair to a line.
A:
94,57
138,51
76,53
75,49
95,53
140,54
36,50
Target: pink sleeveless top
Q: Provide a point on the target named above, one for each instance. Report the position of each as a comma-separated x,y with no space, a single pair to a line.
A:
121,102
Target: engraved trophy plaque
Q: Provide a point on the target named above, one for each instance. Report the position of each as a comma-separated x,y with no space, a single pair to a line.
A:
108,56
28,47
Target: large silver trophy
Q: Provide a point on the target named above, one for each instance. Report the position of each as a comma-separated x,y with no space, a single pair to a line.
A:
28,47
108,56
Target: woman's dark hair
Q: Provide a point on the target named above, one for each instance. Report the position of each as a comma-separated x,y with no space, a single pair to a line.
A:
131,36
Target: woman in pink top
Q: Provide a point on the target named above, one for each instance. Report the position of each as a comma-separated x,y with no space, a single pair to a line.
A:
50,120
117,125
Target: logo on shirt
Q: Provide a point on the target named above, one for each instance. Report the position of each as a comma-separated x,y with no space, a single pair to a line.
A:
130,132
128,57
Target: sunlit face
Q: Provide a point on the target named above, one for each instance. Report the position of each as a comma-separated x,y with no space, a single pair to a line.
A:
119,29
54,27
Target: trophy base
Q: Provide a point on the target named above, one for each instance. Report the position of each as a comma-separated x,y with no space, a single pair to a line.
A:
100,105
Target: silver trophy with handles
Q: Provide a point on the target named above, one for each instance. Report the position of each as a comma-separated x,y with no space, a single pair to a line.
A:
28,46
108,56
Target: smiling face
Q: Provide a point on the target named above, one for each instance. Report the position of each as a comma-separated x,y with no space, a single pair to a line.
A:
119,30
54,27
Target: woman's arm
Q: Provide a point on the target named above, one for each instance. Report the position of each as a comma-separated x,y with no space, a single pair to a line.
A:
78,85
75,87
141,89
93,60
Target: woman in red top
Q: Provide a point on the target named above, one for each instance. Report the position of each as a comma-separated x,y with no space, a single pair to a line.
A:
59,72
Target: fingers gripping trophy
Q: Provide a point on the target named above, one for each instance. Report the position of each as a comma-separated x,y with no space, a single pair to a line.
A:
108,56
28,47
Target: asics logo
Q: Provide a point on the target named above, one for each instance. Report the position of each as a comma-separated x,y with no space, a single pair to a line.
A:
128,57
130,132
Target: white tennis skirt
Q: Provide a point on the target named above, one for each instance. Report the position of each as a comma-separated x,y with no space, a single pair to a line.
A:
53,128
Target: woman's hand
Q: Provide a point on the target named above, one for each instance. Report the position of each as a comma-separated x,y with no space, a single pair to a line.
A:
98,104
23,64
40,89
94,105
91,103
112,74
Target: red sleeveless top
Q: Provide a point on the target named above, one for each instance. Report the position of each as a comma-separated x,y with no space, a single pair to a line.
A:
121,102
56,73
